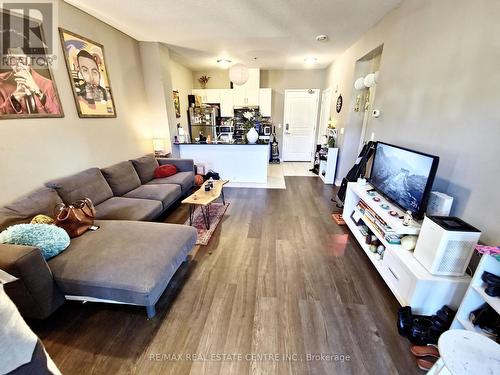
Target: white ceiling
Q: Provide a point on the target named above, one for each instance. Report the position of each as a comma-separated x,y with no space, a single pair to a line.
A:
279,33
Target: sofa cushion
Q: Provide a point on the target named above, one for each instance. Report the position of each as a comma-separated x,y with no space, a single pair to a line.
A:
184,179
49,239
89,183
119,208
135,263
165,171
121,177
165,193
145,167
22,210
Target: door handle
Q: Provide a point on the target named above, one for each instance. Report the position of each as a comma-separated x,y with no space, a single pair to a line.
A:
287,126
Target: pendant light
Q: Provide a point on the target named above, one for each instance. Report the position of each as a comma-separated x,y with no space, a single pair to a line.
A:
238,74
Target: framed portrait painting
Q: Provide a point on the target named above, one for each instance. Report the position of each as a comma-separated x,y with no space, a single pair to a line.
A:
27,86
177,103
88,75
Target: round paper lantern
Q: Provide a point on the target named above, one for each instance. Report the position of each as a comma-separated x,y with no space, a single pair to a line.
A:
359,84
370,80
238,74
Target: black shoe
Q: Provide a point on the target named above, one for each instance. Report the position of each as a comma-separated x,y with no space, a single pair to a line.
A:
493,291
404,320
420,332
446,315
490,278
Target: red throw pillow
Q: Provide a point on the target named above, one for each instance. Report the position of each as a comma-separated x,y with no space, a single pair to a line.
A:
165,171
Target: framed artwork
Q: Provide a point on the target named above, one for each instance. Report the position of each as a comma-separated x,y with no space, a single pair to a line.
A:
177,103
338,106
27,86
88,74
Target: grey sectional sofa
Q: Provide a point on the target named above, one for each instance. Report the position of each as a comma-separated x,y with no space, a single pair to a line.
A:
127,260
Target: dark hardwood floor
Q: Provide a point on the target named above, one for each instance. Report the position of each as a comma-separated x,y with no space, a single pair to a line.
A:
278,282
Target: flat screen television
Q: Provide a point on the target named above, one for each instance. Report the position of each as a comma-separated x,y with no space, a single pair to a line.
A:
404,176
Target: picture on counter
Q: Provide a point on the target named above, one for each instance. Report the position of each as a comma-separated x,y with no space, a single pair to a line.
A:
27,86
88,75
177,103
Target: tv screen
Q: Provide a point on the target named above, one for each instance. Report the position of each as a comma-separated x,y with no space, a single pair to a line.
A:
404,176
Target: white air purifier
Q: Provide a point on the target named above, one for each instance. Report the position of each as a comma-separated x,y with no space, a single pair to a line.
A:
445,245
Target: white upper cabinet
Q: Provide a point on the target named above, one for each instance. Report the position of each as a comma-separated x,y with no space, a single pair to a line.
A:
208,95
248,93
199,92
226,103
265,102
239,96
212,96
245,95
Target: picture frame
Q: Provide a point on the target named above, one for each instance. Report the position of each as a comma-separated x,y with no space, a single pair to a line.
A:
90,82
41,97
177,103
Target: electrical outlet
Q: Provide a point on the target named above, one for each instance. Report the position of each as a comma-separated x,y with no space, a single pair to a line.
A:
341,130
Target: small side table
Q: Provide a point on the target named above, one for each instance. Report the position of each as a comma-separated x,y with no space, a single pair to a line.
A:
204,198
465,352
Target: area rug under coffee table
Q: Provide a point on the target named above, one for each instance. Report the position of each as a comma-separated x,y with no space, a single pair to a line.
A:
217,211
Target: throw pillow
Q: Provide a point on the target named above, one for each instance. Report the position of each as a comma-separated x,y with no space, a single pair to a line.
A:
198,180
51,240
42,219
166,170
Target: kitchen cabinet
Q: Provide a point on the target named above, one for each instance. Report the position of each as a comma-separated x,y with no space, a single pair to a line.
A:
226,103
245,97
248,94
265,102
208,95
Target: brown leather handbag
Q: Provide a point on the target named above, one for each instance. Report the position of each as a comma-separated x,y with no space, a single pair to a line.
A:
75,218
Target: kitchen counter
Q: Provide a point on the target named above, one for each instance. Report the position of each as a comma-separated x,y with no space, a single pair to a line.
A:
233,162
223,144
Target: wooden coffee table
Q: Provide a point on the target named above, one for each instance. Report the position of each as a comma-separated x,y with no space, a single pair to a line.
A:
204,198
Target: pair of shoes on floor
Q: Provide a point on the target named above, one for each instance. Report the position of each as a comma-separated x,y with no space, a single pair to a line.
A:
426,356
492,284
423,330
486,318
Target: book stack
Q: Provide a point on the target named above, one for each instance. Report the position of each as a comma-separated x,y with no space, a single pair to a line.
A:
379,224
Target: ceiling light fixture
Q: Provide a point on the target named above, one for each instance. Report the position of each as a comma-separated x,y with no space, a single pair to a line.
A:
321,38
224,63
310,60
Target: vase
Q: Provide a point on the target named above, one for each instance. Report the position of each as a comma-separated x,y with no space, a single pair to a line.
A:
252,136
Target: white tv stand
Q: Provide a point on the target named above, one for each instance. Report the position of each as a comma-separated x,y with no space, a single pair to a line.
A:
409,281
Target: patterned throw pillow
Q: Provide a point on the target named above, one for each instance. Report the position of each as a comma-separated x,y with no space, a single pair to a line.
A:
50,239
42,219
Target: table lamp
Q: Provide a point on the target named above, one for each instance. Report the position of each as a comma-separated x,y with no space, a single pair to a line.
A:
158,146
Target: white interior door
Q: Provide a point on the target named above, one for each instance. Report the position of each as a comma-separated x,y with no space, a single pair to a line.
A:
301,114
324,116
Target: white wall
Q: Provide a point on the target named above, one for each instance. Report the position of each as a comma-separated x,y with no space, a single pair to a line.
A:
182,81
219,79
281,80
158,100
33,151
438,93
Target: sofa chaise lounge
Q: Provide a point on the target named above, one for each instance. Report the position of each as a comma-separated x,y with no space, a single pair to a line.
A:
128,260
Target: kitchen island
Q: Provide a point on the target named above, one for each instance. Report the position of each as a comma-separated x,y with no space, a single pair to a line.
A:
234,162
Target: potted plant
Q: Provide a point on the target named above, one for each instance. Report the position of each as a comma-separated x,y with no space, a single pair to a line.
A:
249,126
203,81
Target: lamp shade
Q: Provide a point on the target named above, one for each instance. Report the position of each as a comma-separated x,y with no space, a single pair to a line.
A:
359,84
370,80
238,74
158,145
